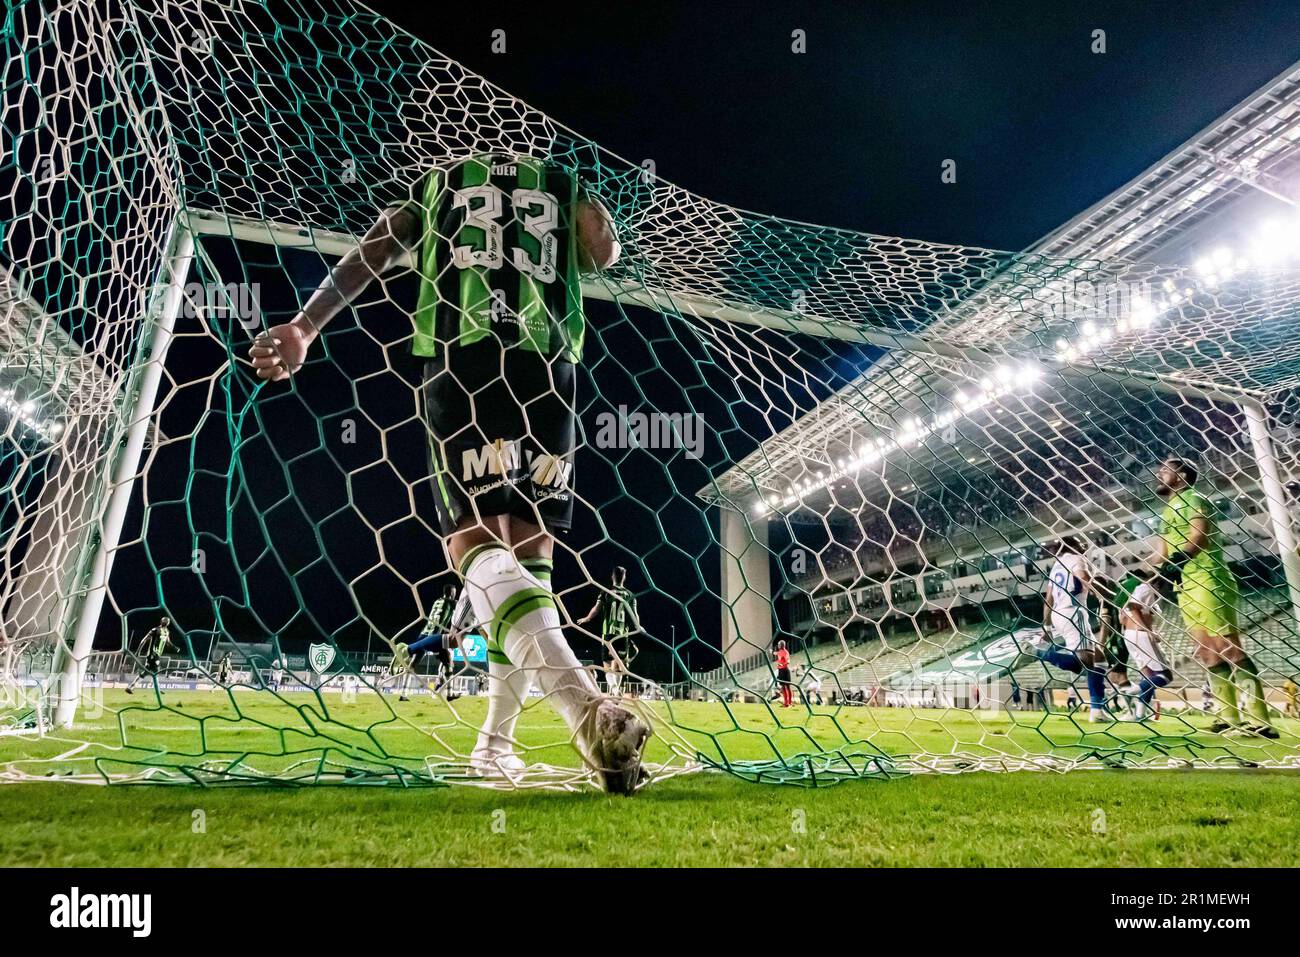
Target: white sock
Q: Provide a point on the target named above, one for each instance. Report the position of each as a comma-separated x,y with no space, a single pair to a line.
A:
521,615
508,689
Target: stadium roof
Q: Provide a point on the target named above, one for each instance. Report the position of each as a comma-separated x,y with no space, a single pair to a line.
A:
41,363
1231,334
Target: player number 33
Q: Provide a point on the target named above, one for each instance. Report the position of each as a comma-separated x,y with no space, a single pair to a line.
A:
484,205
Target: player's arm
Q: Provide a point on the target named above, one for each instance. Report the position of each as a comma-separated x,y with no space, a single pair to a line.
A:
1172,562
1142,615
595,610
1047,607
598,247
1198,535
280,351
1084,578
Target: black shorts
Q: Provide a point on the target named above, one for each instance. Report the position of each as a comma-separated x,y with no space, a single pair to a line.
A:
152,663
783,676
502,434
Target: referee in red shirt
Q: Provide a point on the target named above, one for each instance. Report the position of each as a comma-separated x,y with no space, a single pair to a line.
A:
783,674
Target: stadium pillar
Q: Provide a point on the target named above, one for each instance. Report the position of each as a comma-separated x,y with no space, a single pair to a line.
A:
746,586
1270,483
37,598
166,302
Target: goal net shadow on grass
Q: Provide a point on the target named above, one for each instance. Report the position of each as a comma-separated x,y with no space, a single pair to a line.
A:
864,446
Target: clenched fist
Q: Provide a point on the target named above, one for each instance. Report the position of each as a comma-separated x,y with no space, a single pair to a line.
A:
280,351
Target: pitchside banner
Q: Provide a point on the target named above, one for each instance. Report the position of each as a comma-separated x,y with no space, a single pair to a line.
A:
473,648
986,659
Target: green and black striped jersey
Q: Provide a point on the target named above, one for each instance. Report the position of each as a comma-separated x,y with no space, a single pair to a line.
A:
498,257
439,621
157,641
617,613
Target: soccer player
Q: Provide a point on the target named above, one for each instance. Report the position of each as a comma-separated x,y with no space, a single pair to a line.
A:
616,609
783,681
1109,591
812,686
436,637
1070,642
1189,560
277,674
223,669
1137,615
613,676
500,242
156,642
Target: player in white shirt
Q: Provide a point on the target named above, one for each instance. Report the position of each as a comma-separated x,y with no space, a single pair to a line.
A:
1138,618
1066,601
812,686
1071,645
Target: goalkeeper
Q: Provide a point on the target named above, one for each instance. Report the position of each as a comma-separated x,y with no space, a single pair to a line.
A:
1190,563
499,242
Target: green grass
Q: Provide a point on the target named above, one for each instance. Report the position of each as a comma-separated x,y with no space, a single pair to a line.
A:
1088,817
1157,818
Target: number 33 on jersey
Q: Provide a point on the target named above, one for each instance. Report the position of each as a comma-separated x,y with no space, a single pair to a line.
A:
496,258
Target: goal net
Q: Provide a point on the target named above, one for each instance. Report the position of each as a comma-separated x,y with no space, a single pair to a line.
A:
840,470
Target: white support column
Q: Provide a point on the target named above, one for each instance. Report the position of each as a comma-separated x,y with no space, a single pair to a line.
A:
1270,483
174,273
746,586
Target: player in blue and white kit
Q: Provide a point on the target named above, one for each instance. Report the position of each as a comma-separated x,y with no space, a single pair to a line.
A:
1067,628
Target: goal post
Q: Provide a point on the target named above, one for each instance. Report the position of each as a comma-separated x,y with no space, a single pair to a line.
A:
160,319
1280,506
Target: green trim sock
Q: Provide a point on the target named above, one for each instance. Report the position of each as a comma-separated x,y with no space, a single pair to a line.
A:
508,686
539,568
467,559
1247,678
1225,693
521,618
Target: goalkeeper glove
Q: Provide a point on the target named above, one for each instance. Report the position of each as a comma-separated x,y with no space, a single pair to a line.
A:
1170,573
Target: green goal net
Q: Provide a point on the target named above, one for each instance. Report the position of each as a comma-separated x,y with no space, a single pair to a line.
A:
838,471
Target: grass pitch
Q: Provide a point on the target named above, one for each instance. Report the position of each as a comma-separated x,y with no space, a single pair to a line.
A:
1088,817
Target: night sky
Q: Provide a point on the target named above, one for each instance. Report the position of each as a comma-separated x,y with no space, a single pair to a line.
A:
851,133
